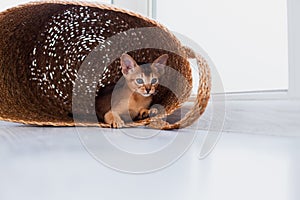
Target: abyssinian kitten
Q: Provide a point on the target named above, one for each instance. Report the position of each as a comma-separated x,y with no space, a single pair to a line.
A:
131,98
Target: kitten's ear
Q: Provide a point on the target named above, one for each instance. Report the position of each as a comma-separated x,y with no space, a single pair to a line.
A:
160,63
127,63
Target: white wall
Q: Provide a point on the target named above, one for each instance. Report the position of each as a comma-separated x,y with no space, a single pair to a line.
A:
5,4
8,4
139,6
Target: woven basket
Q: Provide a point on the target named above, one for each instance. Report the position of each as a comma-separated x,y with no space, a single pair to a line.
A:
44,46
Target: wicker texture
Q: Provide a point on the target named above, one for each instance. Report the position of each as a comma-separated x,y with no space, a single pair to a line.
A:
44,45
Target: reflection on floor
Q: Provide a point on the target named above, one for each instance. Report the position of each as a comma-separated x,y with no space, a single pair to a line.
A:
57,163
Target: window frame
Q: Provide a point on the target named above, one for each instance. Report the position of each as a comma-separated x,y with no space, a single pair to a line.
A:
151,5
294,48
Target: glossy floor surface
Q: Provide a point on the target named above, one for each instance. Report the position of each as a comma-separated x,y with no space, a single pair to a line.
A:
61,163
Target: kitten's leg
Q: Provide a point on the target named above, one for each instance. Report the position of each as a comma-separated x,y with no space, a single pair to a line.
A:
113,119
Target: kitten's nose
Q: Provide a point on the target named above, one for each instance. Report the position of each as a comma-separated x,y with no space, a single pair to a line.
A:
148,90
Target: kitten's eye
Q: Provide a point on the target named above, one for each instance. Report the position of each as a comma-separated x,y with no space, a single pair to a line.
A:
153,81
139,81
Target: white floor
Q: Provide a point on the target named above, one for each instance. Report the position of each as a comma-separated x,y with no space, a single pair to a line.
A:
53,164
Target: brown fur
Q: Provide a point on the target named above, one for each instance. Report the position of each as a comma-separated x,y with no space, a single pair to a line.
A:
131,98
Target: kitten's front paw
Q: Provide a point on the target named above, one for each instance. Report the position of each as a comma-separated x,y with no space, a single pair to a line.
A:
117,123
114,120
145,113
153,112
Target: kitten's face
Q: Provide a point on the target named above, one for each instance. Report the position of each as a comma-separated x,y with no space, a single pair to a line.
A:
143,79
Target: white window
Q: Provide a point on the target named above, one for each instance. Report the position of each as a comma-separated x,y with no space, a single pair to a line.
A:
247,40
